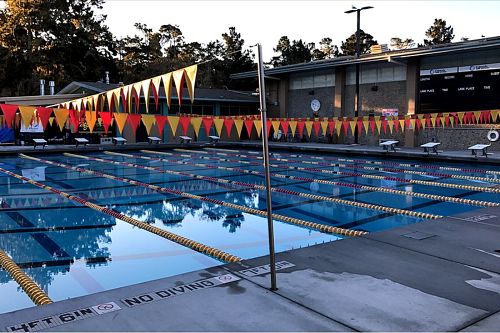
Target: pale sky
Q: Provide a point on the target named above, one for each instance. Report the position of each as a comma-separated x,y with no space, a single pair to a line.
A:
266,21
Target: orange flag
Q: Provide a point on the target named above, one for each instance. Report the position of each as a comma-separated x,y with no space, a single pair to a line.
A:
91,118
61,117
27,113
121,119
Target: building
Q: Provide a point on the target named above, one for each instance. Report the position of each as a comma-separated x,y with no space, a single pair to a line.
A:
453,77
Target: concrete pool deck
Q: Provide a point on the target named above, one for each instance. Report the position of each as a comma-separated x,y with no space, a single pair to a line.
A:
438,275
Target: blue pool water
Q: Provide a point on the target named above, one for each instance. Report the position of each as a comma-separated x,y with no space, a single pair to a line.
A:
71,250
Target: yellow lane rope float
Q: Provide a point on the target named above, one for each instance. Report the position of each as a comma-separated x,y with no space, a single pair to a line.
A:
356,174
280,190
289,220
350,166
37,295
213,252
328,182
407,165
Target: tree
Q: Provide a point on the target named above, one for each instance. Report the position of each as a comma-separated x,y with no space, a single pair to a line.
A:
327,50
62,41
292,53
439,33
348,46
400,44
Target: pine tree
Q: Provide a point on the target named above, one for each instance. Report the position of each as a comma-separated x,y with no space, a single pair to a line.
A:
348,46
439,33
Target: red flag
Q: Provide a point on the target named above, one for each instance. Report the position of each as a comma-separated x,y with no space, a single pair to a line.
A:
469,117
407,123
486,117
384,124
360,125
228,124
396,125
134,120
316,126
207,124
438,120
300,128
106,120
331,126
44,115
345,125
372,125
284,127
160,122
185,121
249,126
74,117
268,127
9,113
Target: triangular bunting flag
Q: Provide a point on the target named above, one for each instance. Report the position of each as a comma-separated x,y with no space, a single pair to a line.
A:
207,124
74,117
352,125
309,125
61,117
284,127
120,119
378,123
338,126
433,119
219,123
174,122
167,86
146,88
300,128
91,119
43,115
258,126
276,125
155,82
461,117
134,120
27,113
106,118
316,126
9,113
178,77
293,126
190,80
228,124
324,126
331,126
148,120
51,121
249,126
366,124
238,123
196,123
185,121
160,123
477,114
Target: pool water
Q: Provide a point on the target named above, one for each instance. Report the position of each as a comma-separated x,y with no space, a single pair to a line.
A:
71,250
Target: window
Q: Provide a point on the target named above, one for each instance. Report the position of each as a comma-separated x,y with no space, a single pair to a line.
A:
317,80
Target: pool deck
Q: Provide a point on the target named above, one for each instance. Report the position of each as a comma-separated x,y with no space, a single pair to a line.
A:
409,153
439,275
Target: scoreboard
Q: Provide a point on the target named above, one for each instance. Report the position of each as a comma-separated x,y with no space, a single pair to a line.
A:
465,88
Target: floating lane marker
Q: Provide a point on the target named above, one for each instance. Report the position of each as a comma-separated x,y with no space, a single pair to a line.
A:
408,165
356,167
280,190
403,180
37,295
215,253
480,203
253,211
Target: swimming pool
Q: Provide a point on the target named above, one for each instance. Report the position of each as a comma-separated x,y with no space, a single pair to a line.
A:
212,196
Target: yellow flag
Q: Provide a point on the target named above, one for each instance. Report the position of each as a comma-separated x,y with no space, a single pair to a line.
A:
352,125
178,77
309,126
293,126
338,126
238,123
61,117
378,123
117,97
146,86
433,119
422,120
452,121
391,125
276,125
91,118
494,115
27,113
324,126
190,80
196,122
121,119
402,124
477,114
155,82
148,120
174,122
365,125
96,98
167,85
218,125
461,116
258,126
51,121
412,123
110,97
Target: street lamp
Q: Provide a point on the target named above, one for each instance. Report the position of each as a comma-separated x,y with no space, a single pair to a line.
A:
358,100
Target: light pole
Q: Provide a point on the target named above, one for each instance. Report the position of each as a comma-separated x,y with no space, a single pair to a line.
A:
357,99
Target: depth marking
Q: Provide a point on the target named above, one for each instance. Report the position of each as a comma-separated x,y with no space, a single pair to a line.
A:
64,318
259,270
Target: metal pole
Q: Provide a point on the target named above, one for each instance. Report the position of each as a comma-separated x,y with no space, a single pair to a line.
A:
265,147
357,99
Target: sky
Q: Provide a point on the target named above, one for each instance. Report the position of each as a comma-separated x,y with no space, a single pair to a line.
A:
266,21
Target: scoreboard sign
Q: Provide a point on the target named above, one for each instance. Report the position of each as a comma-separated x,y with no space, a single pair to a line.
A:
464,88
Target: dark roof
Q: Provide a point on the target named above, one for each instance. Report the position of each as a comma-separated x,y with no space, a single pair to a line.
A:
397,55
201,94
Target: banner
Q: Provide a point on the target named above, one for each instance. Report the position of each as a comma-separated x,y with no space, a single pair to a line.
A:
249,127
238,123
196,123
91,119
160,123
61,117
9,113
174,122
27,113
185,121
106,118
120,119
218,122
207,124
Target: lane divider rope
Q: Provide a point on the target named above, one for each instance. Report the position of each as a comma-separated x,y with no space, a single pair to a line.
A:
408,165
350,166
213,252
355,174
472,202
289,192
34,292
